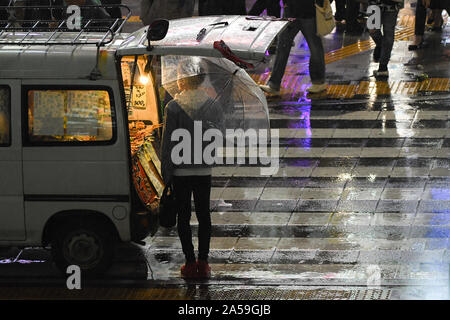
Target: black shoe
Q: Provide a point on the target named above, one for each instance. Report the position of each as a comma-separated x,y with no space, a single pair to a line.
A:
377,54
413,47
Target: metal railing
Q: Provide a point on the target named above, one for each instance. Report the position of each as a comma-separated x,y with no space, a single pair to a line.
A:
53,29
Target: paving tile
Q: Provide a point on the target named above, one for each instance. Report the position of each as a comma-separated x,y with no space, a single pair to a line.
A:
281,194
436,194
294,172
397,115
428,115
432,219
314,133
330,152
405,172
380,152
357,206
393,219
440,172
361,115
316,205
341,218
303,152
434,206
237,218
401,194
330,171
443,153
293,256
401,206
361,193
242,193
270,218
416,152
223,171
223,243
276,205
320,193
253,244
371,171
247,172
308,219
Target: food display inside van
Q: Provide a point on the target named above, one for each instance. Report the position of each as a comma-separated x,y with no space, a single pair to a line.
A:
144,122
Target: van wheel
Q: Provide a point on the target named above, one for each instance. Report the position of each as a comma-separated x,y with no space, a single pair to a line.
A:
85,245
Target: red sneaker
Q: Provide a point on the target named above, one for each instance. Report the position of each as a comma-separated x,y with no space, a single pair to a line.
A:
204,270
189,271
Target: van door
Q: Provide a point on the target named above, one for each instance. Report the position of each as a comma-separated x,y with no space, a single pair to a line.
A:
12,219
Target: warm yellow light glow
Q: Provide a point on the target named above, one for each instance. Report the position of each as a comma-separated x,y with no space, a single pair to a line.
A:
144,80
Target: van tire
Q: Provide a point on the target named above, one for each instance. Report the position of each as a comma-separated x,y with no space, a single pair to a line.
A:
84,243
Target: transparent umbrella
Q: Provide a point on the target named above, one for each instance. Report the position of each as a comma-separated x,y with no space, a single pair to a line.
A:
233,99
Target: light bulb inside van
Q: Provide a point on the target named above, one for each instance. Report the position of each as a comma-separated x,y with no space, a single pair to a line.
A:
144,80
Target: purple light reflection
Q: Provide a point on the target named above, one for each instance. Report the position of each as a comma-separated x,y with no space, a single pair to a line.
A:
440,194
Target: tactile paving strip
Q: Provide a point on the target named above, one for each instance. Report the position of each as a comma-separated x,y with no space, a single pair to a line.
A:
193,293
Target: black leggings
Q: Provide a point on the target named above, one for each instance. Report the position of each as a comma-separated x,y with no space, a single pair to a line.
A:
184,187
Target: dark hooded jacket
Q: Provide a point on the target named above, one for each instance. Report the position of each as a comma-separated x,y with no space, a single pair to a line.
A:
180,113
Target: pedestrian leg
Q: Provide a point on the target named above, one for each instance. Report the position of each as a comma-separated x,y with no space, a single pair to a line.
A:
202,191
257,8
202,7
377,37
283,50
352,10
273,8
389,21
419,26
183,191
317,56
340,10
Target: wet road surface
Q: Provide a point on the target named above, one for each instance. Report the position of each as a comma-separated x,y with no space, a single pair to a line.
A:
360,208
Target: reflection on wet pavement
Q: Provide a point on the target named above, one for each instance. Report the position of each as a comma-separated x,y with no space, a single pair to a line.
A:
361,200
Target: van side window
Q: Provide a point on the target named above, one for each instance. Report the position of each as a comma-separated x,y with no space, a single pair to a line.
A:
5,119
70,116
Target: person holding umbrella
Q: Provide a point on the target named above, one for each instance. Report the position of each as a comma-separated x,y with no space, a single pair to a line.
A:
188,178
209,96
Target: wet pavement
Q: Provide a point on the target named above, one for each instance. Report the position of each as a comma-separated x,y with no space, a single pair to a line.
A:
360,208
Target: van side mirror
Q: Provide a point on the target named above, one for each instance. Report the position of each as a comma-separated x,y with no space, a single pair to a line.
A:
157,31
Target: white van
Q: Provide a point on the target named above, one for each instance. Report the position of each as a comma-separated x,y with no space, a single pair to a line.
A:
74,109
